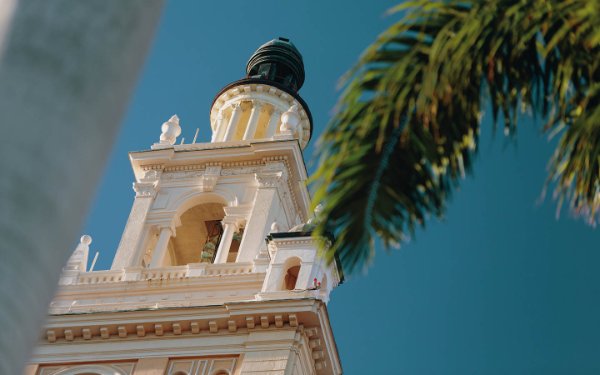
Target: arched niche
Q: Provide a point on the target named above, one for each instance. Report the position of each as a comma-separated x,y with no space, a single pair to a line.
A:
198,236
291,270
92,370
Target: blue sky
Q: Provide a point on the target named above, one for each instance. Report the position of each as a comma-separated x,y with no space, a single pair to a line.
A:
499,286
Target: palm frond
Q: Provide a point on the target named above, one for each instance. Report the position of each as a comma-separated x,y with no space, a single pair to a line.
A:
407,124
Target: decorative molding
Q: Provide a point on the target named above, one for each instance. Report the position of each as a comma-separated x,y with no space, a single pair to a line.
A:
269,180
150,167
210,177
117,368
145,189
142,329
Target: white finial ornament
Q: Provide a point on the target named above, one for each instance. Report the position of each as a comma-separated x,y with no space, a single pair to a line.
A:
274,227
86,239
318,209
79,258
290,120
170,131
317,213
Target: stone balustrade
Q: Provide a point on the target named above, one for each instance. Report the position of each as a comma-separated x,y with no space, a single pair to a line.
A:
164,273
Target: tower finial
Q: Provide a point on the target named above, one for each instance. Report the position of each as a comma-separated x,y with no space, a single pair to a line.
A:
170,131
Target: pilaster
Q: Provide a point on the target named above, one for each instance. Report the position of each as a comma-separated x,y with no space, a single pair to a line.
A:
160,250
265,208
129,246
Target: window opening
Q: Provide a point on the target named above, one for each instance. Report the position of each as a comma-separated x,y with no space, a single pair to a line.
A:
235,246
214,231
291,277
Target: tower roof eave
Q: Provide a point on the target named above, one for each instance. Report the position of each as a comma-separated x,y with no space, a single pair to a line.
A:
266,82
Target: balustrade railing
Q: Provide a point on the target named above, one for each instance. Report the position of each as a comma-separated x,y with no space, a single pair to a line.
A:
191,270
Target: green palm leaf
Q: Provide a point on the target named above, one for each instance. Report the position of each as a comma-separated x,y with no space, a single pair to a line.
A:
407,124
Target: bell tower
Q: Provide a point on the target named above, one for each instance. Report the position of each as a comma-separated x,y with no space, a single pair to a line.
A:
216,271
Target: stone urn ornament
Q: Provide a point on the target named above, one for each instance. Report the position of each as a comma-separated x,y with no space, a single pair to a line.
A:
290,120
170,131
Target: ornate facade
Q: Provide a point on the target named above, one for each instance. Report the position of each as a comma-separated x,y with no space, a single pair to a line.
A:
216,272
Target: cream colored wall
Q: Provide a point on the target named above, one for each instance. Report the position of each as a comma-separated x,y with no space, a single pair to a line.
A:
151,366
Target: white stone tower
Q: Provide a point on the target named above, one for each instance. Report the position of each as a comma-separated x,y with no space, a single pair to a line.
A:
216,272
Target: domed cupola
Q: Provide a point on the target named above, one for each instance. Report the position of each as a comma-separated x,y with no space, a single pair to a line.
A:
265,105
279,61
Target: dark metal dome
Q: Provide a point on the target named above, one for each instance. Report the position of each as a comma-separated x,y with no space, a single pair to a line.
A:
279,61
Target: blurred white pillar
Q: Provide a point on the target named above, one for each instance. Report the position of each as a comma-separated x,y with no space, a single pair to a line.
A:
67,71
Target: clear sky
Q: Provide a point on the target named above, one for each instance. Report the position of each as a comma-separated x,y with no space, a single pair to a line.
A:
499,286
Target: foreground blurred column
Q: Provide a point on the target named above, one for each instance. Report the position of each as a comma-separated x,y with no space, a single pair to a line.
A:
67,69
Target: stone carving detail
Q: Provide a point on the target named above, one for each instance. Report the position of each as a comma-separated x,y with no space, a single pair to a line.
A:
274,166
269,180
145,189
210,177
147,186
240,170
183,175
151,175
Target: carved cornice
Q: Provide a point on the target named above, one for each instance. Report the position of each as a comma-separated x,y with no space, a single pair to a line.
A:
307,317
129,328
270,172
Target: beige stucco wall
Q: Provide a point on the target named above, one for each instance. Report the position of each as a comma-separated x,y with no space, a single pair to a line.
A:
151,366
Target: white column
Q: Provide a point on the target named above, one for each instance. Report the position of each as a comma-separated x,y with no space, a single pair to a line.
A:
218,127
229,228
51,79
254,114
233,122
160,250
273,121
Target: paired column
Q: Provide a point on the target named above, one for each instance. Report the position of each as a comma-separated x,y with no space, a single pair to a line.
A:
273,121
253,121
233,122
230,226
160,250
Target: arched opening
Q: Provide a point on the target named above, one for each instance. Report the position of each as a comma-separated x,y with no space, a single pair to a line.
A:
323,287
91,370
290,275
198,236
